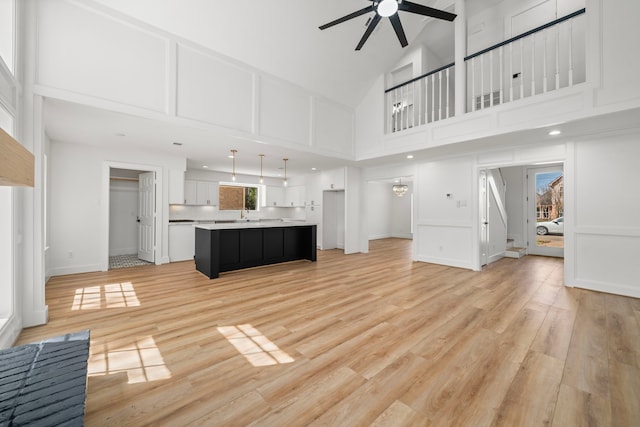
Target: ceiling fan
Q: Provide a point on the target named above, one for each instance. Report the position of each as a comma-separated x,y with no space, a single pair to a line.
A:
390,8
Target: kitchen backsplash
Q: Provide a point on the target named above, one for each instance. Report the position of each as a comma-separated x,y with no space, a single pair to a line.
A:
203,213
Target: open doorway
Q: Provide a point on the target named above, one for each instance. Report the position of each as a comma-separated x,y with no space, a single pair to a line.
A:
389,212
545,229
333,218
131,217
514,202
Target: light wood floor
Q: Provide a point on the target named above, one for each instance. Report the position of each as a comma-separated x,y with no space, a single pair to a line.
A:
365,339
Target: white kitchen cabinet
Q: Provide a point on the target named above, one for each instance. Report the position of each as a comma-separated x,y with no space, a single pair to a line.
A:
294,196
182,242
275,196
176,187
200,193
207,193
189,192
333,179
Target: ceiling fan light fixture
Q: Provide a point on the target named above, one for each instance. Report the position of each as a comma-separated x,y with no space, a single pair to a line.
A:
387,8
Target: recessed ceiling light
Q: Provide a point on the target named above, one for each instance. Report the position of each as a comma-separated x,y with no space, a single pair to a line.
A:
230,156
314,169
554,132
410,156
205,166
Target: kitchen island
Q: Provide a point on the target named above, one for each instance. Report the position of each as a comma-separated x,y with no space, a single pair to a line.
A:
233,246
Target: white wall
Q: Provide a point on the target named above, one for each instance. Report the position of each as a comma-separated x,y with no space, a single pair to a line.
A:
123,212
79,207
606,223
379,198
90,56
443,226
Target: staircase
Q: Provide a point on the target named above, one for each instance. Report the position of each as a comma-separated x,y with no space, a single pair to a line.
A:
514,251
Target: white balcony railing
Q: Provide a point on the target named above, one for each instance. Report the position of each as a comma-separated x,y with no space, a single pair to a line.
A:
544,59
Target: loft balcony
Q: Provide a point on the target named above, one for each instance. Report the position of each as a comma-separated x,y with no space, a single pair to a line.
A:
546,59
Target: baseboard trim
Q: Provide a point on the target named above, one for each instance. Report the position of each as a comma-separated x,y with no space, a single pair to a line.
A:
61,271
610,288
9,331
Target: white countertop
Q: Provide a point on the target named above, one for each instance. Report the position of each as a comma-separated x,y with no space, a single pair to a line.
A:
253,224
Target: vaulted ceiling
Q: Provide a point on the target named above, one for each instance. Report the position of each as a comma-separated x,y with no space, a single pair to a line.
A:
281,37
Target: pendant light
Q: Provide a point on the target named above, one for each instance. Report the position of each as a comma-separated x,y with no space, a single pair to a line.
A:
285,171
400,189
261,177
233,160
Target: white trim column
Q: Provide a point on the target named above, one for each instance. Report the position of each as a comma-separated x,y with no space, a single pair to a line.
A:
460,52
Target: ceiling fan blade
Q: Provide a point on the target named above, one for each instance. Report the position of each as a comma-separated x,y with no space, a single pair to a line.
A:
370,28
348,17
397,26
407,6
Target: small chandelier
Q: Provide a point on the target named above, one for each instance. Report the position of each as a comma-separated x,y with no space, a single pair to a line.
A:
233,160
261,177
400,189
285,171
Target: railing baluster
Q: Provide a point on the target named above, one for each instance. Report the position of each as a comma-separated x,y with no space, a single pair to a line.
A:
447,79
510,72
521,68
491,78
533,64
433,98
440,95
481,82
544,62
473,84
501,58
557,57
413,104
570,53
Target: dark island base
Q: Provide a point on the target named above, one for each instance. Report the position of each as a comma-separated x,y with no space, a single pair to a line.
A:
233,249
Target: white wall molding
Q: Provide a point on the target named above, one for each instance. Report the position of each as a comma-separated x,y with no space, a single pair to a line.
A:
9,331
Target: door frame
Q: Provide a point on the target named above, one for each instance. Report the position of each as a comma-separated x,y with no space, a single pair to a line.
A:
105,202
531,211
565,156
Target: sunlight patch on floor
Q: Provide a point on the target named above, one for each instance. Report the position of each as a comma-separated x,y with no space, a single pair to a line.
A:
113,295
141,361
254,346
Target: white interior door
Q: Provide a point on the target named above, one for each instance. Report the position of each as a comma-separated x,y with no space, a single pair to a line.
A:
147,216
484,219
545,224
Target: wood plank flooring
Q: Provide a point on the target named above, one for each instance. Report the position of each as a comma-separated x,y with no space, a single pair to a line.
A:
352,340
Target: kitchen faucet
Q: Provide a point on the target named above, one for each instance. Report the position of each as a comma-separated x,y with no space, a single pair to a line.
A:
243,214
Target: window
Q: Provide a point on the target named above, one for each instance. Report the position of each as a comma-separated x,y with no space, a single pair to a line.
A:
238,197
